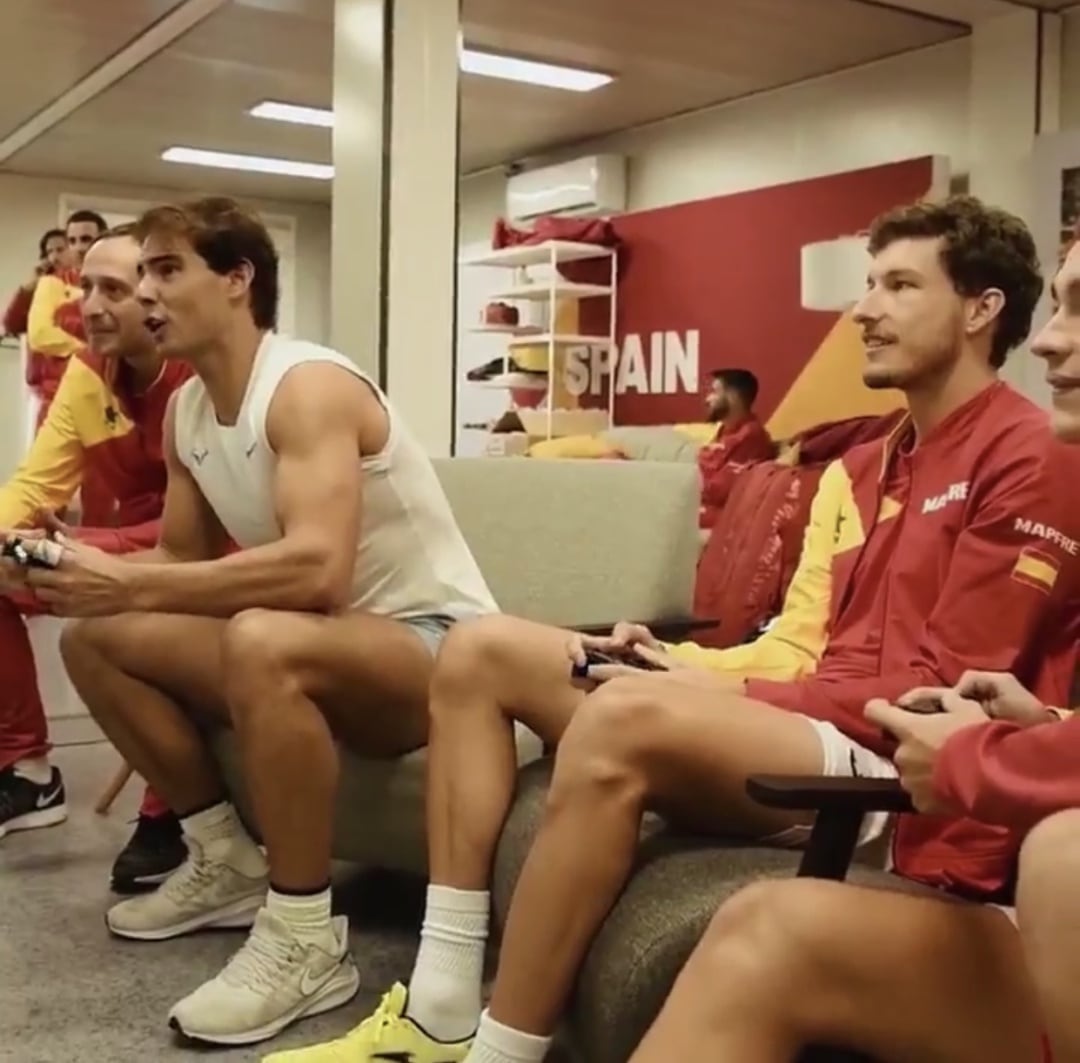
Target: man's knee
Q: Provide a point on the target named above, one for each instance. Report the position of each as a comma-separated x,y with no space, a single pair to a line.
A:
769,932
259,647
474,655
1052,848
605,747
97,636
1049,871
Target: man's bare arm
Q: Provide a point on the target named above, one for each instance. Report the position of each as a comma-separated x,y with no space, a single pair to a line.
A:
315,424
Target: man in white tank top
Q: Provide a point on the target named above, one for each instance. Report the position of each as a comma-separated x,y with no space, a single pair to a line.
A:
323,626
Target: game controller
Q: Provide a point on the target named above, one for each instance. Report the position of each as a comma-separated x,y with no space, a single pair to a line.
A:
32,553
629,657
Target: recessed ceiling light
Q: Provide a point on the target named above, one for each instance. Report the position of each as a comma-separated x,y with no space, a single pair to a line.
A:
224,160
492,65
484,64
293,112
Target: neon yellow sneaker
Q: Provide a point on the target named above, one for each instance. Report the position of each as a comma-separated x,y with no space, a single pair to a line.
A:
386,1035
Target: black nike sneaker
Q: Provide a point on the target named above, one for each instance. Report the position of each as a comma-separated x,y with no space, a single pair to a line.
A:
24,805
153,852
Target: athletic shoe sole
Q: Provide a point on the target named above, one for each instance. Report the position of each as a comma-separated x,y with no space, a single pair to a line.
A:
336,991
45,817
240,915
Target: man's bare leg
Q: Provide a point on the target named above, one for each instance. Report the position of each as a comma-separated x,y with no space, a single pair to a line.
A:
296,682
1049,916
791,963
132,672
489,673
657,742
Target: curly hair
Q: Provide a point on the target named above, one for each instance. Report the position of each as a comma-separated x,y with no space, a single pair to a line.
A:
982,247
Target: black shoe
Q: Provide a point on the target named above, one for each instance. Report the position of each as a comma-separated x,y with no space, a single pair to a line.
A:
24,805
153,852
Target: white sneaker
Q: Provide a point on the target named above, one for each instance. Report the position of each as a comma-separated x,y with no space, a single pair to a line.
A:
275,979
200,893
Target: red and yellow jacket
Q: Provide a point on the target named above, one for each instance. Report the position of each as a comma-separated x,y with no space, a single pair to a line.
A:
54,328
961,553
94,423
792,645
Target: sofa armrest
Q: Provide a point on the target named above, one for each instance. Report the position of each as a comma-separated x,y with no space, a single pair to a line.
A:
840,803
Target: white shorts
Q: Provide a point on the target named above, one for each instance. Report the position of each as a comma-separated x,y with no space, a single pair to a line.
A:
843,757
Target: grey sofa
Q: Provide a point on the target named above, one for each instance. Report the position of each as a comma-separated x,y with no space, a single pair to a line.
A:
564,542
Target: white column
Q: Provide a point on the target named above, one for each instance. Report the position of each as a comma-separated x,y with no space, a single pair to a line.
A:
357,282
1014,96
423,219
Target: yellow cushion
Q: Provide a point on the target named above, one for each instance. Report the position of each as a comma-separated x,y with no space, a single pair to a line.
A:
698,432
573,447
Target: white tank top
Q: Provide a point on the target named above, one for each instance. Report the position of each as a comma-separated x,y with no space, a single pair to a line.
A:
411,558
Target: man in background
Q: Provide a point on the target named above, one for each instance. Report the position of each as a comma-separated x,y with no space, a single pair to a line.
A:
52,252
54,330
54,333
740,439
106,418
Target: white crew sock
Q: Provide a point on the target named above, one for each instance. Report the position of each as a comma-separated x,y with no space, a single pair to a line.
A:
444,993
36,769
306,915
221,836
496,1043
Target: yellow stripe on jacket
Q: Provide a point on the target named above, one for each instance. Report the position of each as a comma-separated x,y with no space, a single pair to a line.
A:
52,471
794,643
43,335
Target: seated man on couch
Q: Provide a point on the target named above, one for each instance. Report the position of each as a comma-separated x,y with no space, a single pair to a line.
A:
322,626
104,422
786,964
955,547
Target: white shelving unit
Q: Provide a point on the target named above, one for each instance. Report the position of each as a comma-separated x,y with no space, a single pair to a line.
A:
548,289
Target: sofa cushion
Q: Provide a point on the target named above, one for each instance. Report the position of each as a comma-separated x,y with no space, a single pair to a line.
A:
579,542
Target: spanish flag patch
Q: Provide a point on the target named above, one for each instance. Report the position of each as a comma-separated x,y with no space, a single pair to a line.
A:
1036,569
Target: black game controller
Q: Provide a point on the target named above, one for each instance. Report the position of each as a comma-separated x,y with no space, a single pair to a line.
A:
628,657
30,553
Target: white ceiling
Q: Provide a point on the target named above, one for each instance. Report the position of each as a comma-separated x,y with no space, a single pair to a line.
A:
670,56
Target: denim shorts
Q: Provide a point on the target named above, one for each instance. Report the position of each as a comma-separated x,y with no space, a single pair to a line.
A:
432,628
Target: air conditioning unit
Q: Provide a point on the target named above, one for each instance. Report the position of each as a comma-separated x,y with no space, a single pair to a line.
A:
592,186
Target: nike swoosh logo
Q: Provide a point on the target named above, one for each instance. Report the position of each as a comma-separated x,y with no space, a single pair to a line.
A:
199,456
250,450
309,986
401,1057
47,799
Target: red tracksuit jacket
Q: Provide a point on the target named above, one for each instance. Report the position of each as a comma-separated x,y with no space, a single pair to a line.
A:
719,462
963,552
1003,773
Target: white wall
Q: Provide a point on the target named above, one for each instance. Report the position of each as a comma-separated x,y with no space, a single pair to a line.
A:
910,105
29,206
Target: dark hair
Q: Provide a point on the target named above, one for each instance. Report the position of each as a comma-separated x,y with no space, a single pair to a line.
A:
741,381
982,247
87,215
43,243
224,235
